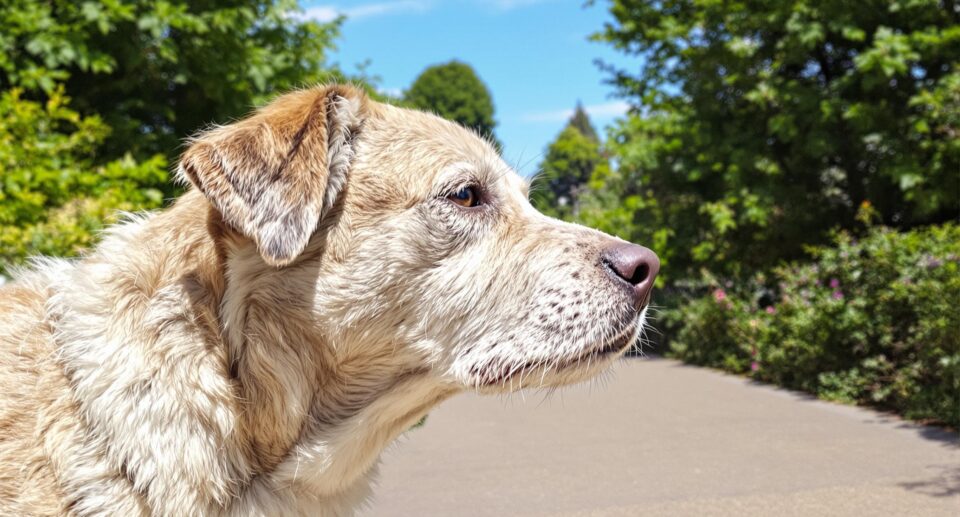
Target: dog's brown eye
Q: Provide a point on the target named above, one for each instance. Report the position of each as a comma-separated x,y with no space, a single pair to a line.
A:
467,197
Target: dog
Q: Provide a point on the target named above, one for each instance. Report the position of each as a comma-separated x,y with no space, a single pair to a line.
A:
335,269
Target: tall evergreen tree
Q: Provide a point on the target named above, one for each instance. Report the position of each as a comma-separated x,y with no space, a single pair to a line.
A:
572,159
581,121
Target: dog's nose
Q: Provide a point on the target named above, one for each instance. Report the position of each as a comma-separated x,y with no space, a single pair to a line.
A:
634,265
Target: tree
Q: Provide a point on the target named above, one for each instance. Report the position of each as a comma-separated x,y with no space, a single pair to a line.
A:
455,92
157,71
768,123
581,121
96,96
572,160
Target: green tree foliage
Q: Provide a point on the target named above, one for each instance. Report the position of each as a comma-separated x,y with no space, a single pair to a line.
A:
581,121
96,97
768,123
455,92
573,160
156,71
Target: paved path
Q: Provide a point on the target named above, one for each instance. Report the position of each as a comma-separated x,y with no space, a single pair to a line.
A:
660,438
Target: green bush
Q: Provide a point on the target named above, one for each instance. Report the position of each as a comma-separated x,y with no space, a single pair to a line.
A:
53,196
874,321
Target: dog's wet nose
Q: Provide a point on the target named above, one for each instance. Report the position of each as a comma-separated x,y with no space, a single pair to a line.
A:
635,265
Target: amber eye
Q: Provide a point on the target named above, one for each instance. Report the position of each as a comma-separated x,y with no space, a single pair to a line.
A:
466,197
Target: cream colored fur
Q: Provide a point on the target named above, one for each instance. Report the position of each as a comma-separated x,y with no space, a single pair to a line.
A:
252,349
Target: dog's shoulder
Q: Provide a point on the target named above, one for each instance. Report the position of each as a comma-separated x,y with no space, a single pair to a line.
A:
30,383
112,377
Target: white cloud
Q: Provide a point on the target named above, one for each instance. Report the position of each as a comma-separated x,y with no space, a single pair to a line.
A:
507,5
393,92
607,109
328,13
363,11
321,13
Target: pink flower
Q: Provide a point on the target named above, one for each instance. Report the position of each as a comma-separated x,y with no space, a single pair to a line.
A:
754,366
771,310
838,295
719,295
834,283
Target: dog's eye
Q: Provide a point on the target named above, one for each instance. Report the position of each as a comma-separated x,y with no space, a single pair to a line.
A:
467,197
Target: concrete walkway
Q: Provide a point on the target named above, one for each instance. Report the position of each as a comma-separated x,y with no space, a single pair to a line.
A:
660,438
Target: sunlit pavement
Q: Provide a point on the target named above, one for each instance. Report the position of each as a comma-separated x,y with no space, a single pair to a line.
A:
660,438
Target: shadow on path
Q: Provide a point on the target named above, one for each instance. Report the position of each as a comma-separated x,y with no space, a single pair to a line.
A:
870,415
945,484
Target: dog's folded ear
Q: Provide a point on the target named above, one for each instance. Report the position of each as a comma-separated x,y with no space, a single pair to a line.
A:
272,175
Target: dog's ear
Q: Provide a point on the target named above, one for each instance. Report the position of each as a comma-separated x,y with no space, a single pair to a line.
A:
272,175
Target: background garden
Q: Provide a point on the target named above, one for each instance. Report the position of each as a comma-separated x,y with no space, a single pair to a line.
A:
795,164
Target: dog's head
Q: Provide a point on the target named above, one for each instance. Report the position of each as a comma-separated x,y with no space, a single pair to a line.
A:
410,237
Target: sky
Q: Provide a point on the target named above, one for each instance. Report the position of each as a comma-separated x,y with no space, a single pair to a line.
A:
533,55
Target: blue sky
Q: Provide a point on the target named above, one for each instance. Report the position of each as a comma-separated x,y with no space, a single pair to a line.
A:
534,55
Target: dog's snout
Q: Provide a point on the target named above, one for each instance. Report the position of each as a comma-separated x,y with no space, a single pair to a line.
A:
634,265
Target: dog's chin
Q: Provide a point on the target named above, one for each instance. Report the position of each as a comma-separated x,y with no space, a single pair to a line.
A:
562,371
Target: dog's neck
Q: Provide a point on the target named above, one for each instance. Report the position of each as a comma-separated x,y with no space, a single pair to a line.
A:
319,415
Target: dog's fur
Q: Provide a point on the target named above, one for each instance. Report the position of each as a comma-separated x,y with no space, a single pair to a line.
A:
253,348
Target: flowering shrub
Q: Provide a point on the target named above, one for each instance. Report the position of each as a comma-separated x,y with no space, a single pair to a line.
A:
875,321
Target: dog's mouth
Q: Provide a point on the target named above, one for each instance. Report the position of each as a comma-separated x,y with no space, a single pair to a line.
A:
613,346
591,357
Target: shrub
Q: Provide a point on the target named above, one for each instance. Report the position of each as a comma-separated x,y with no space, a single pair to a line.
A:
874,321
53,196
